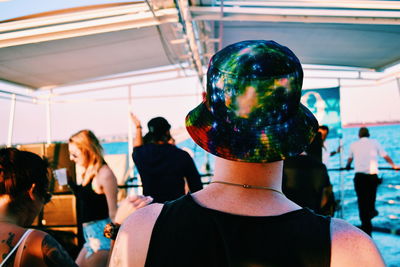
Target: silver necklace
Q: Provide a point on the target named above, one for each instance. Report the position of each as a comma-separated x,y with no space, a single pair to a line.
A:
247,186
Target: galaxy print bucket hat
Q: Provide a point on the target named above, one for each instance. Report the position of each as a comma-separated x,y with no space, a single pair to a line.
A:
252,110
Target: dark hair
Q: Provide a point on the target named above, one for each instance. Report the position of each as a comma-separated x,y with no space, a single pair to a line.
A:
19,170
315,148
158,131
363,132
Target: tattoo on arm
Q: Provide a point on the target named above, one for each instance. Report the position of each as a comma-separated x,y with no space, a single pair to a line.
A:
8,242
54,254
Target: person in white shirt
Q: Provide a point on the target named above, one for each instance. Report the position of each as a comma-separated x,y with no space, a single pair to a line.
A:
365,153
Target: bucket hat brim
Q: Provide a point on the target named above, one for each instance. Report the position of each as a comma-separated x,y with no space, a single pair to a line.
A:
252,144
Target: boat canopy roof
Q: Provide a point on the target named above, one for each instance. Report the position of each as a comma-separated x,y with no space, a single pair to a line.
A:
75,45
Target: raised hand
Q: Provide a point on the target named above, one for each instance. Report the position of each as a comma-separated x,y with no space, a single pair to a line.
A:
130,205
135,120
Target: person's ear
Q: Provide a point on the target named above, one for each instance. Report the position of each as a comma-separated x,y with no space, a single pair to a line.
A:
31,192
204,95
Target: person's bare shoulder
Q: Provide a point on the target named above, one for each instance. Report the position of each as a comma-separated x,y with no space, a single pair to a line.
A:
105,171
352,247
43,246
105,176
130,248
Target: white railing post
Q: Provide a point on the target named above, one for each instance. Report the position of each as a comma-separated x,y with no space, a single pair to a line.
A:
48,120
342,181
11,120
130,129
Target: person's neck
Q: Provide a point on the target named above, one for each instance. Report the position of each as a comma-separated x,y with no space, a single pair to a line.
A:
9,219
258,174
231,196
20,218
160,142
5,215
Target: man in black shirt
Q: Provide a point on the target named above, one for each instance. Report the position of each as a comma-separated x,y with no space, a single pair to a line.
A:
163,167
306,182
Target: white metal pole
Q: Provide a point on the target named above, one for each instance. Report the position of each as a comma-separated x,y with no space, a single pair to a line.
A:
11,120
130,129
48,120
342,181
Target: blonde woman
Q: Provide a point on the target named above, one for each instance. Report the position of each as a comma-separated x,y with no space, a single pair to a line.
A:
97,197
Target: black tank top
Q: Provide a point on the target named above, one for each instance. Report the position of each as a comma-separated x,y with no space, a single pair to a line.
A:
187,234
92,206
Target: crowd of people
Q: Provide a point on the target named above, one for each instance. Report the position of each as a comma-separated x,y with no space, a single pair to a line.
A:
269,203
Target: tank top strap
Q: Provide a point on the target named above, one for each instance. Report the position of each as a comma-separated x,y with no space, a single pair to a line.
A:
18,256
20,241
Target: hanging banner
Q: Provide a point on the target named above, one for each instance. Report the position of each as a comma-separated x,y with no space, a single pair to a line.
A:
324,103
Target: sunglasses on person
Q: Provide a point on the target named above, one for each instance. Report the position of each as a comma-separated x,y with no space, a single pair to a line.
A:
74,155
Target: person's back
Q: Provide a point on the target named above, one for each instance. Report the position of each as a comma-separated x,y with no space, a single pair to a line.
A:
162,169
37,248
304,181
173,234
366,152
223,239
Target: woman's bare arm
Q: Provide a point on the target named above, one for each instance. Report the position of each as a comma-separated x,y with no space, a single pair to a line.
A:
54,254
107,181
41,249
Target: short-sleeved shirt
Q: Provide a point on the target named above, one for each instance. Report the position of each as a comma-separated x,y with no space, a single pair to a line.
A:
365,153
162,169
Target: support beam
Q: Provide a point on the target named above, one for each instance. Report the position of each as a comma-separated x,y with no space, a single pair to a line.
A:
74,92
11,120
48,120
348,4
130,129
221,27
398,85
261,14
76,15
191,36
36,34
